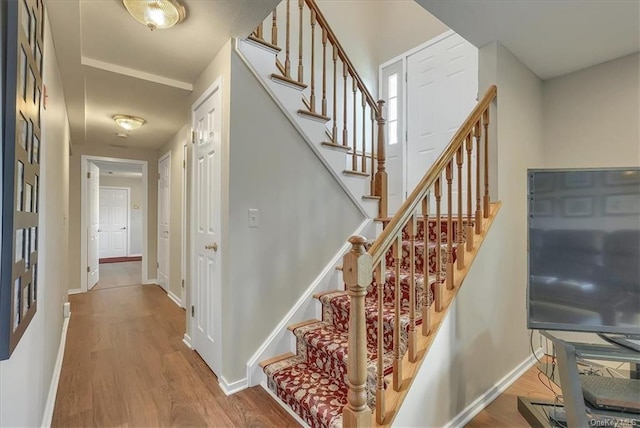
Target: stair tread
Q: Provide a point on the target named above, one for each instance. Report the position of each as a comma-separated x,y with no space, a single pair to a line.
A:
275,359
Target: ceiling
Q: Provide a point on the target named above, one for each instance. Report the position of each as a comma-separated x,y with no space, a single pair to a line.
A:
552,38
121,170
111,64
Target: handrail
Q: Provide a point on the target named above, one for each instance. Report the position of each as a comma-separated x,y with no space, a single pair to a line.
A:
342,53
385,240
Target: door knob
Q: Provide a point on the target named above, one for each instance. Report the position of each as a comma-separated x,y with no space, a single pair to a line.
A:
122,228
213,247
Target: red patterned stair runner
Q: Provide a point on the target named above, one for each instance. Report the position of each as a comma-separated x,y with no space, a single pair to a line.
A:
313,382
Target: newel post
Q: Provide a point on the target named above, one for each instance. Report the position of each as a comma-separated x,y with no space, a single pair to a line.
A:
381,173
358,274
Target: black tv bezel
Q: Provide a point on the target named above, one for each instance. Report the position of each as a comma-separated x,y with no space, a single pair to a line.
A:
534,325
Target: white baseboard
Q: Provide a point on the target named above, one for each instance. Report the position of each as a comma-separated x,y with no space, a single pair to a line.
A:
75,291
285,407
485,399
186,339
150,281
268,347
134,255
175,298
55,378
233,387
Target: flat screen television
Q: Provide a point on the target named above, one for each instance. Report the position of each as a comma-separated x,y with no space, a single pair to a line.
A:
584,250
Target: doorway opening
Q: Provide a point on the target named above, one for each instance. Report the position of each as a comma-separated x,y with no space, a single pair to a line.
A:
114,195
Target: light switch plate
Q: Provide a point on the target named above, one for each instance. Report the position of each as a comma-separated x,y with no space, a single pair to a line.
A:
254,219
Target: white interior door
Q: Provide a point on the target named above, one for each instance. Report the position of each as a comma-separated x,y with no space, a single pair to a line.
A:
206,228
114,222
393,93
442,89
164,195
93,265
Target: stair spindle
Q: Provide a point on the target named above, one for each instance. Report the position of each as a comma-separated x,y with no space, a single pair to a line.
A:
381,280
312,99
381,173
300,68
439,292
460,226
274,28
334,129
324,71
485,122
345,140
354,165
449,176
287,59
413,338
373,156
364,133
397,357
426,272
469,228
478,129
259,31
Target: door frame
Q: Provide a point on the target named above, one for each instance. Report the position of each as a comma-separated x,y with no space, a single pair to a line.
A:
84,215
161,159
128,189
217,305
185,210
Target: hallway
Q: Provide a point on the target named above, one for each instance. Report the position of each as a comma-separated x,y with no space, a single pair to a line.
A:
125,364
121,274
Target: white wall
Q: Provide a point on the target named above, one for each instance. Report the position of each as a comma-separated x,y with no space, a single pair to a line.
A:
136,196
305,218
484,336
26,376
592,117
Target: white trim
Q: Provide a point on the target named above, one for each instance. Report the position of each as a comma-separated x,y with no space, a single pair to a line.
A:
418,48
94,63
175,298
74,291
183,226
233,387
165,157
282,404
266,349
55,378
135,255
84,168
128,189
150,281
465,416
186,339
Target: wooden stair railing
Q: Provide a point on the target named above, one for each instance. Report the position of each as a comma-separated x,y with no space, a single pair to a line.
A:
346,105
361,267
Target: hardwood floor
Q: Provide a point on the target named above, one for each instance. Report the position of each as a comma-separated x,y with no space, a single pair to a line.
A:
125,365
119,274
503,411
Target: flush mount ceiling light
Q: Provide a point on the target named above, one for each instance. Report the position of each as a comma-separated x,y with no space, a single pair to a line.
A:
156,14
129,122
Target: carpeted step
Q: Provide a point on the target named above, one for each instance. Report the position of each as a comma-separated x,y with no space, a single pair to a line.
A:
405,260
309,391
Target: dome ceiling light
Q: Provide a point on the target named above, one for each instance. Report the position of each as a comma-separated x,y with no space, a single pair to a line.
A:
156,14
129,122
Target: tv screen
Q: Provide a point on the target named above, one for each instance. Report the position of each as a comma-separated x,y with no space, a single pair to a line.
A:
584,250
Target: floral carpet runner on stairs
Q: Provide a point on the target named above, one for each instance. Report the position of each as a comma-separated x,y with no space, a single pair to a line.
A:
313,383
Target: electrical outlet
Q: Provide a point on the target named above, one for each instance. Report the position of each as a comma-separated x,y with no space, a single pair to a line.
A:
254,219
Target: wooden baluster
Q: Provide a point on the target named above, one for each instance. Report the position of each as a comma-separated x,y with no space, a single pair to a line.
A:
364,132
460,226
478,179
357,273
274,28
324,71
345,140
300,68
426,272
469,227
334,129
354,166
449,176
485,122
397,357
373,156
287,59
439,292
413,337
381,173
312,99
381,279
259,31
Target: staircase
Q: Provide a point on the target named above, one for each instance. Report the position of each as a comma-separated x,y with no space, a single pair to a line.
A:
362,357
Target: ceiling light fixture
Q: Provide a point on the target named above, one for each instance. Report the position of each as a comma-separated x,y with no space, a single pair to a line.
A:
129,122
156,14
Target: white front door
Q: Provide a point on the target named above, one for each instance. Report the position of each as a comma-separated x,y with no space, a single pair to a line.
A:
393,93
164,196
114,222
93,266
206,228
442,88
